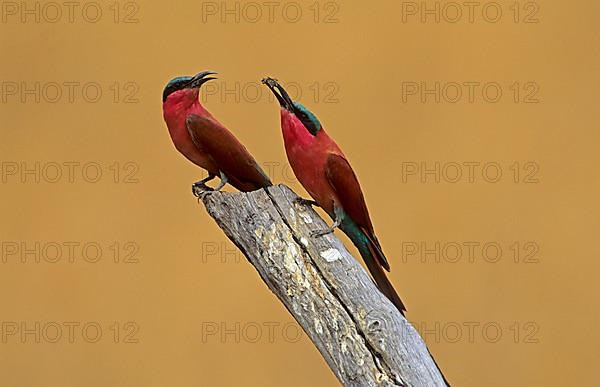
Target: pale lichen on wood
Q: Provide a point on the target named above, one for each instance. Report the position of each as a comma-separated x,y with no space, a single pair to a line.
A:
360,334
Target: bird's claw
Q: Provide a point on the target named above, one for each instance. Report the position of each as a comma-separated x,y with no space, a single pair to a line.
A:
203,194
320,233
305,202
200,190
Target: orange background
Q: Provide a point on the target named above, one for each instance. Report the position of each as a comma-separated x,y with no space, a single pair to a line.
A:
179,289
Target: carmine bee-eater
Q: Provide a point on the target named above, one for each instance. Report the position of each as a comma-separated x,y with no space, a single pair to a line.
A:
325,173
205,141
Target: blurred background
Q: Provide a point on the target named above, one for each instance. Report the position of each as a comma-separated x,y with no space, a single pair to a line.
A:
470,126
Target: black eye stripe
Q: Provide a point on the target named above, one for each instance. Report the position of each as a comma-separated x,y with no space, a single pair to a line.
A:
308,124
174,87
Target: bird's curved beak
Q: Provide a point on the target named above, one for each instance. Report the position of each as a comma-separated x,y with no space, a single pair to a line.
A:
200,79
282,96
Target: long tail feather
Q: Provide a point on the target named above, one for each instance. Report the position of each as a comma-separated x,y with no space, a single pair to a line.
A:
373,259
372,254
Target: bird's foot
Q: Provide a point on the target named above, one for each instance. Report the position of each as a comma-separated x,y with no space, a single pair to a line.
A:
200,189
305,202
320,233
203,194
224,180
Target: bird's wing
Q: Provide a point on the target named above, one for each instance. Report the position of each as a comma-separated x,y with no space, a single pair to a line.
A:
229,154
342,179
345,184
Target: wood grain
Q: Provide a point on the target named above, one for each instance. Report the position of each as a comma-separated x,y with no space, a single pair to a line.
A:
360,334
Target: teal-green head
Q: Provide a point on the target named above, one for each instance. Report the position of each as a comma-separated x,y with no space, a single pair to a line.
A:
186,82
308,119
